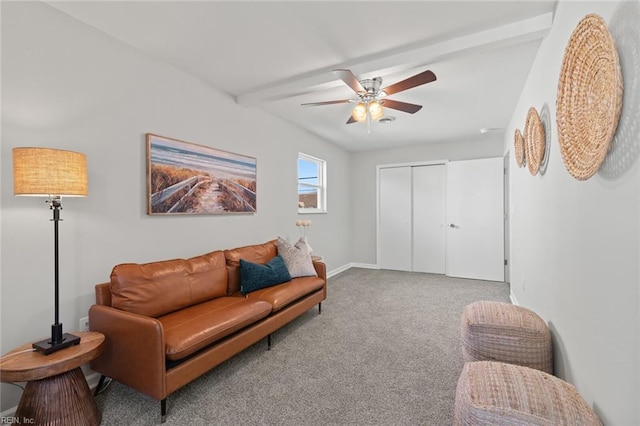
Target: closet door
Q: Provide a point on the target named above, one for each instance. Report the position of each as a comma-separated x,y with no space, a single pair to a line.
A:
429,188
394,218
475,223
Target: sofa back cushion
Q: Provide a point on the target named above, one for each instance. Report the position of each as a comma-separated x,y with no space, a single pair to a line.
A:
157,288
257,253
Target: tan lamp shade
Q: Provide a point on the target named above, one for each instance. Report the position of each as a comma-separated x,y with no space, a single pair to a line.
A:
49,172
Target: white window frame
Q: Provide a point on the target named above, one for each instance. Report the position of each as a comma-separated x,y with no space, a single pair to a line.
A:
321,186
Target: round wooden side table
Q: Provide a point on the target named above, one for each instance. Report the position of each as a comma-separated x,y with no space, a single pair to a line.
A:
56,392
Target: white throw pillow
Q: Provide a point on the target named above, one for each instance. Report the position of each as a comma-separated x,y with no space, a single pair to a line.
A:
297,258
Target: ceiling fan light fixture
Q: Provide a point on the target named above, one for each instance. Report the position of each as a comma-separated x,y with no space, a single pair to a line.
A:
359,112
375,109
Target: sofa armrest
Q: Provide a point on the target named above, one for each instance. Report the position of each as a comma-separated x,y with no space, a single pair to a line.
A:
321,270
103,294
134,352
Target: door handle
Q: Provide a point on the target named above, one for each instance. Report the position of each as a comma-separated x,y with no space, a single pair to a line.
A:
451,225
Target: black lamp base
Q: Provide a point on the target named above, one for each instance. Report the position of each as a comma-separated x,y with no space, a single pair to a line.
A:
48,346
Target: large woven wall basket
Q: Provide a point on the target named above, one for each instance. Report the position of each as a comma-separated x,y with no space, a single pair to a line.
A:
589,99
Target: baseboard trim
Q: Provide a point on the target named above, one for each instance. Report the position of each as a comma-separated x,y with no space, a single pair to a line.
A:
92,380
349,266
365,265
513,298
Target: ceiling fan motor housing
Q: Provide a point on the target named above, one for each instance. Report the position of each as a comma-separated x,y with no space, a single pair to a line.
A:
371,85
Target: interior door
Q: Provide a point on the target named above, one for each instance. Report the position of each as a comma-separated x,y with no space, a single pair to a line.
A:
475,227
394,216
429,188
507,219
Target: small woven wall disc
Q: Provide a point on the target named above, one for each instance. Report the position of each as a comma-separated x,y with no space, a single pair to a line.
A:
589,99
518,147
534,141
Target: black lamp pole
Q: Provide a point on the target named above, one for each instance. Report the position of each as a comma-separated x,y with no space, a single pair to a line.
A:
58,339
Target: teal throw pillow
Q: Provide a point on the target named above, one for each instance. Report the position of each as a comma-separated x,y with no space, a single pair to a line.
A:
254,276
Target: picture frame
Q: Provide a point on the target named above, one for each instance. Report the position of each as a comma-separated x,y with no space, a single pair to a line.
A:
185,178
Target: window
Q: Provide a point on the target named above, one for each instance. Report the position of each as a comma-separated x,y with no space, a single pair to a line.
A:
312,184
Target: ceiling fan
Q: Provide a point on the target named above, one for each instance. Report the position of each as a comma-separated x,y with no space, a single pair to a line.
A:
371,98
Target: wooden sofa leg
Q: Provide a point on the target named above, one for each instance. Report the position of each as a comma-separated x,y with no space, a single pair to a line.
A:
269,342
96,391
163,410
319,308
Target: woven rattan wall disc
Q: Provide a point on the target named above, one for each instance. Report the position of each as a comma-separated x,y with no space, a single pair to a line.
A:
589,98
534,141
518,147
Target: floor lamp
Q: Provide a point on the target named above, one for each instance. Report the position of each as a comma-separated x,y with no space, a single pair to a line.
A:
51,173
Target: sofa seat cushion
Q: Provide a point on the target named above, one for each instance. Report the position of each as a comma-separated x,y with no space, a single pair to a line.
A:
281,295
190,329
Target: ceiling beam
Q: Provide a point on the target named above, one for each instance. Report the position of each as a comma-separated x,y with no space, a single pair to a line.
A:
403,58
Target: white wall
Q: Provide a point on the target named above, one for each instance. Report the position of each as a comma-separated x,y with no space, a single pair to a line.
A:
66,85
363,181
574,245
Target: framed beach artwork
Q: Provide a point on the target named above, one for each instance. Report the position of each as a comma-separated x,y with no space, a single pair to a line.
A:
186,178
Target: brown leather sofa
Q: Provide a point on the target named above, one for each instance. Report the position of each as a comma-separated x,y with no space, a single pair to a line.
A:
168,322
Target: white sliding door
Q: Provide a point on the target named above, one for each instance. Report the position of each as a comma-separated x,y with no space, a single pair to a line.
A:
411,218
394,218
429,188
475,224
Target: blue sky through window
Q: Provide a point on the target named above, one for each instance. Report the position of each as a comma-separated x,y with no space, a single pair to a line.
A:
311,181
307,172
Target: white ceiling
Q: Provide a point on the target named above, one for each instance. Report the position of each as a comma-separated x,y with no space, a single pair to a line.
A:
278,55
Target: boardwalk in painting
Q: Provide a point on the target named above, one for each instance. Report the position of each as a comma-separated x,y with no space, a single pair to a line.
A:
189,178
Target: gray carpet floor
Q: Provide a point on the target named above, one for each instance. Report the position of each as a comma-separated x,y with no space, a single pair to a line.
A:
384,351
